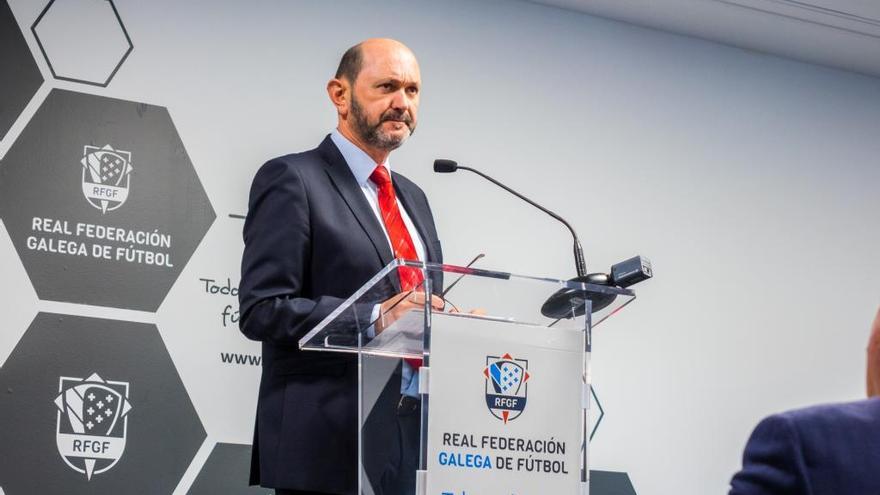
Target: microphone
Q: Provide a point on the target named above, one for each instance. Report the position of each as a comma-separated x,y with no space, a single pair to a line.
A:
565,303
443,166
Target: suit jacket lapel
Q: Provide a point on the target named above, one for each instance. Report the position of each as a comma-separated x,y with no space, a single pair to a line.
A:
351,192
417,215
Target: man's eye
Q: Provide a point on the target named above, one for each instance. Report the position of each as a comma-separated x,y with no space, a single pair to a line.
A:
412,90
385,85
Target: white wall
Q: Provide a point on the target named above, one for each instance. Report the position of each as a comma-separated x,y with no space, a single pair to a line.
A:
749,180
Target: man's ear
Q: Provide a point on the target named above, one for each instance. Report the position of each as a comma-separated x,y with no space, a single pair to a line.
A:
874,358
339,92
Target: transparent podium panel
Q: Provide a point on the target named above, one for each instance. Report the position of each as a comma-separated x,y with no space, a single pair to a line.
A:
462,370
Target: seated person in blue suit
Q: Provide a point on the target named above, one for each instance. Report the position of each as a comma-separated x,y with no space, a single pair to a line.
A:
822,450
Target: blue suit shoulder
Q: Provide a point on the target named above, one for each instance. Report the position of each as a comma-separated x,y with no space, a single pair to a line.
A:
843,416
304,161
821,449
284,175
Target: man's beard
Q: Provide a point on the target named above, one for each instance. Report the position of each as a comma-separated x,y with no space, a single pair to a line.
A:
373,134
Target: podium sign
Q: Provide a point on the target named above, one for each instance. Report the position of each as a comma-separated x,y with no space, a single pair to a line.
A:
506,408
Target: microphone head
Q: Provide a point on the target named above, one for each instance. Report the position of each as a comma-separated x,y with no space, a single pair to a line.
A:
443,166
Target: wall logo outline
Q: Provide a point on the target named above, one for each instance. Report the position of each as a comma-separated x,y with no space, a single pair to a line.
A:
106,176
46,56
92,423
507,386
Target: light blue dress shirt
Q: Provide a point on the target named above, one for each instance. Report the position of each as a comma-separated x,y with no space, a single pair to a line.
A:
362,167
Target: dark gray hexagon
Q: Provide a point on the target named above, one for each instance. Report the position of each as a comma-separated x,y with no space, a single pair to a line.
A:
20,77
51,441
102,202
610,483
82,41
226,472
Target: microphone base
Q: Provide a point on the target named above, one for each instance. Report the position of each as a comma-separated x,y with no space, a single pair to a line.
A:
570,303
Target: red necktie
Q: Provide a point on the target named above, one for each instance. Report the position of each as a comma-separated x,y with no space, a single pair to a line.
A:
401,242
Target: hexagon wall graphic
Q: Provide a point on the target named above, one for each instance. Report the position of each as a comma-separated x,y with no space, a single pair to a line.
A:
226,472
93,406
82,41
597,412
610,483
20,77
102,202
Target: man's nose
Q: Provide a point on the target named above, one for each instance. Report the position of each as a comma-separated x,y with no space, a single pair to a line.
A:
400,100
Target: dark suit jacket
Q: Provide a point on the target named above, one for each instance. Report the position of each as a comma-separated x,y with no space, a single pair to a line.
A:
822,450
311,240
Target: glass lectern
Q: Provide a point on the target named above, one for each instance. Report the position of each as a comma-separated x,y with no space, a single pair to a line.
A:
488,395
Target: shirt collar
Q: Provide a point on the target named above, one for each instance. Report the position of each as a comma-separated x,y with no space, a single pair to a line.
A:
358,160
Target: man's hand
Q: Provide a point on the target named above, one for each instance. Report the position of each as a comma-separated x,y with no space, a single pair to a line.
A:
394,308
874,358
475,312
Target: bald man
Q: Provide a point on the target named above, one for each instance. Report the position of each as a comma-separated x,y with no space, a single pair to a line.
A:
320,224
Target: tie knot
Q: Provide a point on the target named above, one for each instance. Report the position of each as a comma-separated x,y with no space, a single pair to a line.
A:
380,176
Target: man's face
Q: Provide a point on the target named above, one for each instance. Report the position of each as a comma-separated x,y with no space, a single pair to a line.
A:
385,98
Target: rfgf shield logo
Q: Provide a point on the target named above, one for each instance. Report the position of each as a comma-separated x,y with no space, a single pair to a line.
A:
92,423
106,175
506,386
